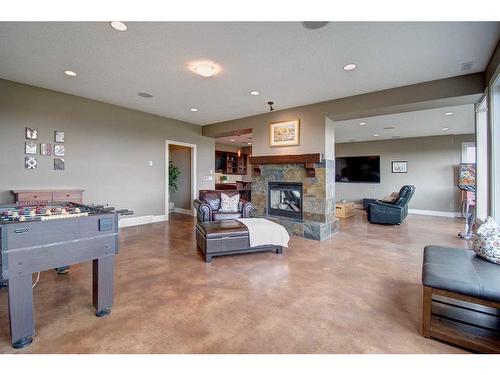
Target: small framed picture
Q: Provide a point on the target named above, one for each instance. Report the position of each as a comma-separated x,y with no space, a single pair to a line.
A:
31,133
285,133
399,166
59,136
30,148
58,150
59,164
45,149
30,162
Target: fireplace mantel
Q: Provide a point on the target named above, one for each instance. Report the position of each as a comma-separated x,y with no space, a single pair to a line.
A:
308,160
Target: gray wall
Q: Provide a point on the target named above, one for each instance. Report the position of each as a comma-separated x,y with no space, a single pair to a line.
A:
432,165
181,157
107,148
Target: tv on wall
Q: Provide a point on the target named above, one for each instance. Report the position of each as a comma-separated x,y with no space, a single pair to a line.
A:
357,169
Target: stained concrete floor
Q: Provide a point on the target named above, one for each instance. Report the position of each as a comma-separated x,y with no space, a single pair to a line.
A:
358,292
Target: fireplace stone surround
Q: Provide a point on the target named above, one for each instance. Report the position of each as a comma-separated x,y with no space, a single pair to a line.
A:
318,195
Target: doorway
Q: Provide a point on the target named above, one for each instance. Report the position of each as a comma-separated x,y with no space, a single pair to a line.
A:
179,194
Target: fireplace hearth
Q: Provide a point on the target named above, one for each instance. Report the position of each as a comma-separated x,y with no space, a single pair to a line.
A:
285,199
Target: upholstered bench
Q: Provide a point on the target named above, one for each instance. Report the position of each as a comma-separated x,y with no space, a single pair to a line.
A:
461,301
215,238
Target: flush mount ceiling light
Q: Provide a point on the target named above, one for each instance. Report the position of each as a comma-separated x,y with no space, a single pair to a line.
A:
145,95
249,143
232,140
445,129
376,135
448,113
349,67
362,123
117,25
205,69
70,73
254,93
194,109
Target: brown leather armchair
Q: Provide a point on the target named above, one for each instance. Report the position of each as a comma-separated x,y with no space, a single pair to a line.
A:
208,206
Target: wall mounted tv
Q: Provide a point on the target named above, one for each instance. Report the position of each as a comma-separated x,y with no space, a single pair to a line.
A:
357,169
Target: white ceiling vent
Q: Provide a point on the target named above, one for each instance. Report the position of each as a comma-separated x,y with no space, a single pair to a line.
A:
466,66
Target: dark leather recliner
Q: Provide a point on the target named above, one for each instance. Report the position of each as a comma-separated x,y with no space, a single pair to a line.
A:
208,206
391,213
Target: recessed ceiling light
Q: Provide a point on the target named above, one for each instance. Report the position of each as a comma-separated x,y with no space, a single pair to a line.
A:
194,109
445,129
70,73
352,140
448,113
232,140
117,25
362,123
254,93
389,127
144,95
205,70
376,135
249,143
349,67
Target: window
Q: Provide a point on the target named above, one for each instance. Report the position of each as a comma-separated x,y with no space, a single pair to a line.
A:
481,158
495,148
468,152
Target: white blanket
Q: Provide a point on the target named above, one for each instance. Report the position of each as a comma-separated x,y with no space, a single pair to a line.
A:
265,232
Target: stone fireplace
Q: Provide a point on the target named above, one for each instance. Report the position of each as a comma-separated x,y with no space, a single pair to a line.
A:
297,191
285,199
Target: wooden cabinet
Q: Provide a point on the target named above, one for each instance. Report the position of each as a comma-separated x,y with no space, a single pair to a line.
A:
230,163
34,196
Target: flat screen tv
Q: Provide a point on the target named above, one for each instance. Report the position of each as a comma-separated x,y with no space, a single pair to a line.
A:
357,169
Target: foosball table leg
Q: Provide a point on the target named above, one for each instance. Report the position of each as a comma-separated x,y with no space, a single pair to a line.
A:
102,284
22,327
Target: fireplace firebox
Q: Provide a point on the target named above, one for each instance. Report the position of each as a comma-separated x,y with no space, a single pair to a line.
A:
285,199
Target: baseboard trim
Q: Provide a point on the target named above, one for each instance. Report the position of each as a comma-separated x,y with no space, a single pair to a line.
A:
416,211
184,211
140,220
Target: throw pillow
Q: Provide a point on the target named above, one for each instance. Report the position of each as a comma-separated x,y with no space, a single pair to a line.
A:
229,204
486,241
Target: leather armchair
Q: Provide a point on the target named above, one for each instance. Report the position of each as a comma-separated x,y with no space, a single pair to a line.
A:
208,206
391,213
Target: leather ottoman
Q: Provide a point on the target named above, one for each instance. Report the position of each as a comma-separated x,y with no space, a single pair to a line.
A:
226,237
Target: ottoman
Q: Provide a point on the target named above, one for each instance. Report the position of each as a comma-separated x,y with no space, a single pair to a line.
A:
226,237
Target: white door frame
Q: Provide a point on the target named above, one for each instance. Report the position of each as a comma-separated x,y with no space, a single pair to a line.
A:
192,146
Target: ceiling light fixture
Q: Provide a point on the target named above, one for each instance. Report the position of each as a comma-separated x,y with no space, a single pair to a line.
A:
254,93
270,104
249,143
232,140
362,123
376,135
448,113
145,95
389,127
445,129
349,67
205,70
313,25
70,73
117,25
194,109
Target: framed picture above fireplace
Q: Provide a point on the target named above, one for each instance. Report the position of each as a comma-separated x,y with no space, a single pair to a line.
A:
285,133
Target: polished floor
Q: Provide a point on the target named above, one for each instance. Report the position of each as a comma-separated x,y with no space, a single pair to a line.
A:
358,292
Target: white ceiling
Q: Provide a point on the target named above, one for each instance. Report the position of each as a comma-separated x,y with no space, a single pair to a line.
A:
407,125
286,62
240,140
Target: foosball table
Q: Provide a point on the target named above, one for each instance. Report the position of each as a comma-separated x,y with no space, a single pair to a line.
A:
35,238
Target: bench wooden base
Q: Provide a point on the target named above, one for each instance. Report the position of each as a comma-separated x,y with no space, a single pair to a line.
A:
461,320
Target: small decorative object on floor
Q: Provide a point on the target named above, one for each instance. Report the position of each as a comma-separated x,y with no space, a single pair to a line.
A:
30,162
31,133
59,150
59,136
30,148
486,241
399,166
45,149
59,164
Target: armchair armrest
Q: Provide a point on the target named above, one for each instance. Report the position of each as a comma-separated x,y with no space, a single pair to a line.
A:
245,207
203,210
